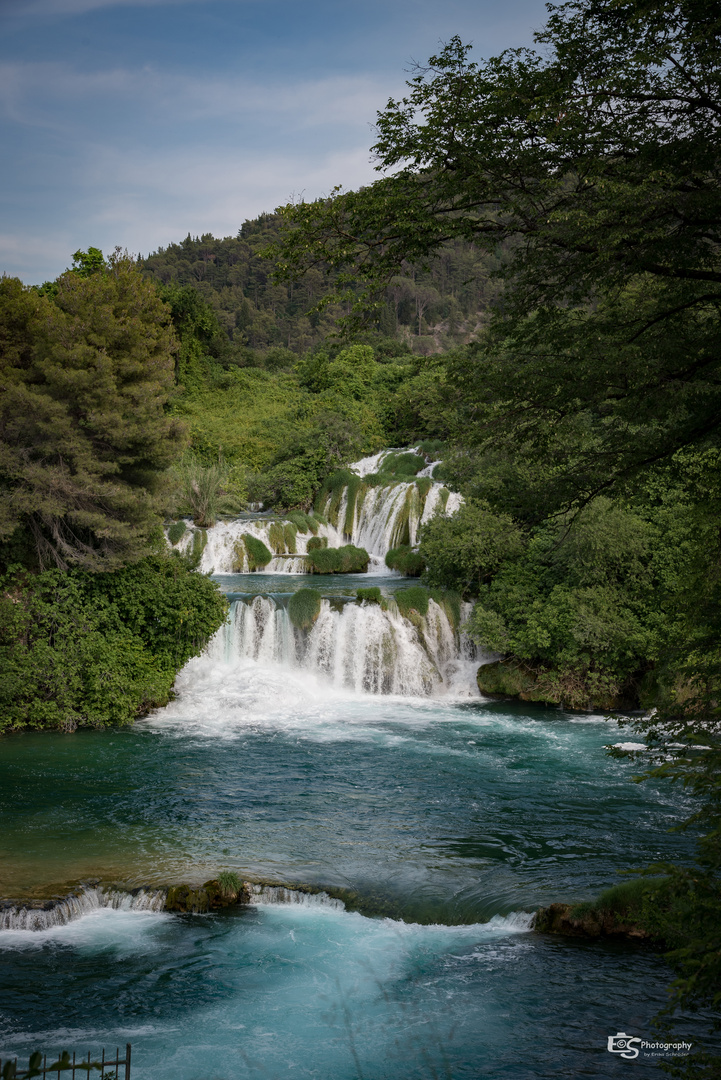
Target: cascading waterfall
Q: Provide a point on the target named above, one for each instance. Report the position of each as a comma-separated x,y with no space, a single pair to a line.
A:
381,518
358,647
76,905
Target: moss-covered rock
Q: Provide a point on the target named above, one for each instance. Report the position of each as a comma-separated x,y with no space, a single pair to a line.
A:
588,922
343,560
372,595
304,608
258,553
505,679
212,896
176,531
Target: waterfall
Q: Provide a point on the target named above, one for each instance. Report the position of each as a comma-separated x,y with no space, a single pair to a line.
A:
358,647
74,906
381,518
224,551
283,894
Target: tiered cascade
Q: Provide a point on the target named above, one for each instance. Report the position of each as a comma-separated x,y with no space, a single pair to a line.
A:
363,647
376,518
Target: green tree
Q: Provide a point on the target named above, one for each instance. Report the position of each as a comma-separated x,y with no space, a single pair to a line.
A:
595,169
84,435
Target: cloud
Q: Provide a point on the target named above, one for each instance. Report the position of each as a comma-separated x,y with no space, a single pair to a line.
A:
79,7
56,94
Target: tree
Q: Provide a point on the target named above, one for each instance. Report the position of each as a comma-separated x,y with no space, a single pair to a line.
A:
84,436
595,170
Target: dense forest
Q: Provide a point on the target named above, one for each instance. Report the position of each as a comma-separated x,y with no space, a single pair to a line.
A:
430,306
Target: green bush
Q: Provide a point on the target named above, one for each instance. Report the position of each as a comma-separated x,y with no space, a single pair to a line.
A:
405,561
258,554
416,598
304,608
342,560
207,490
176,531
316,543
371,595
424,485
91,650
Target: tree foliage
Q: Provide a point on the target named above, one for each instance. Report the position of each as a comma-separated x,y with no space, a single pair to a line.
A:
84,435
88,650
596,165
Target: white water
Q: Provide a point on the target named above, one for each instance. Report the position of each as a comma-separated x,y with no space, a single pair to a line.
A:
78,905
381,519
360,647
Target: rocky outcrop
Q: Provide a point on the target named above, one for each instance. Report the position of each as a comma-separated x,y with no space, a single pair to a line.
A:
586,921
212,896
569,690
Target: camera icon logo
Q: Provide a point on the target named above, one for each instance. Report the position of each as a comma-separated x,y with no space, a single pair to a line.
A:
623,1044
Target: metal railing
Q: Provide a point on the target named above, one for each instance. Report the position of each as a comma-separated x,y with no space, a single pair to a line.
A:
38,1066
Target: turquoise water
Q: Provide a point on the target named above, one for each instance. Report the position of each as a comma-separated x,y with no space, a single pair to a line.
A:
444,817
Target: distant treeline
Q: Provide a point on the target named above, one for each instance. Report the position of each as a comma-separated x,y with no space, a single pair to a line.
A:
433,309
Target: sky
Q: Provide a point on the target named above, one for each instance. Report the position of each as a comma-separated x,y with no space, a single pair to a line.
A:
132,123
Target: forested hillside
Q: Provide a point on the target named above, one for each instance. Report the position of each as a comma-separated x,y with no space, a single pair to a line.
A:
429,308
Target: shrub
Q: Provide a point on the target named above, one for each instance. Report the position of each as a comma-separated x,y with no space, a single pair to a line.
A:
90,650
405,561
316,543
342,560
176,531
205,491
371,595
414,599
304,608
258,554
424,485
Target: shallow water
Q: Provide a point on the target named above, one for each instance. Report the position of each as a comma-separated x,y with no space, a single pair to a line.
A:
443,817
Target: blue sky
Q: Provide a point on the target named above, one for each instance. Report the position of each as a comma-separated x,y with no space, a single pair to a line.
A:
135,123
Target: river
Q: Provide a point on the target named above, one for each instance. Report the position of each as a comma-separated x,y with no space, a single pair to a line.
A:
327,759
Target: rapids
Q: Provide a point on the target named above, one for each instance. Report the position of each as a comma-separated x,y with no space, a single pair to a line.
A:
359,759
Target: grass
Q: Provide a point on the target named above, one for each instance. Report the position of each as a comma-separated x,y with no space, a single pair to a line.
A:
414,599
316,543
304,608
229,882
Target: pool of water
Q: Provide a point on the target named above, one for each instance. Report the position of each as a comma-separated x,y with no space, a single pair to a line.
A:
447,819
